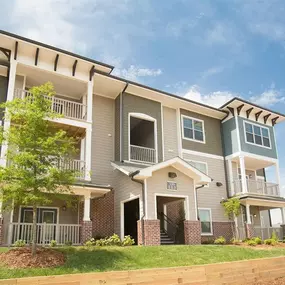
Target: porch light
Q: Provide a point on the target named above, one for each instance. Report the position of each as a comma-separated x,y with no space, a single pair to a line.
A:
63,208
219,184
172,175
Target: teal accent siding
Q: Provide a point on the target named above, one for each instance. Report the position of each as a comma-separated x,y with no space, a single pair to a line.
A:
230,138
255,149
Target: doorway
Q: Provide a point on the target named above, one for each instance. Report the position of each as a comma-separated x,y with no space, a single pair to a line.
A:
131,216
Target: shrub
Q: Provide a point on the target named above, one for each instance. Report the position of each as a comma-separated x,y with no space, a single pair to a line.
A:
89,243
235,241
251,242
270,241
114,240
258,240
128,241
274,236
68,243
53,243
220,240
19,243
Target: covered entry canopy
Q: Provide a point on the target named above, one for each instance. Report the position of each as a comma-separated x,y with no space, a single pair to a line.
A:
178,163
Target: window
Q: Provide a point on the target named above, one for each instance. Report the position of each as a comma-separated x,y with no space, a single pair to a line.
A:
193,129
257,135
205,217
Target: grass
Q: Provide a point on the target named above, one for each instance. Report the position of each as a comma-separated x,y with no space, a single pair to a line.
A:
80,259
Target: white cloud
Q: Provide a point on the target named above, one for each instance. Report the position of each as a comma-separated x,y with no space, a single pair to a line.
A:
215,99
134,72
268,98
212,71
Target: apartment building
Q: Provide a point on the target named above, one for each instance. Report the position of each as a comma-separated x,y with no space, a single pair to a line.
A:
152,165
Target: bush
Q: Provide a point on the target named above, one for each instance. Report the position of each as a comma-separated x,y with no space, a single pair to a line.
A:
53,243
251,242
258,240
68,243
89,243
274,236
270,241
19,243
220,240
114,240
128,241
235,241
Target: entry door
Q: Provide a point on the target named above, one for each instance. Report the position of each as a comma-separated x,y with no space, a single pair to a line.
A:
48,219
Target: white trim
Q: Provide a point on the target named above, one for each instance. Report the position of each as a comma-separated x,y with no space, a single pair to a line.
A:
145,199
121,126
179,139
193,119
38,207
86,209
253,134
195,201
122,211
231,177
120,168
198,153
187,211
48,211
201,162
162,132
211,221
147,118
165,214
170,181
251,155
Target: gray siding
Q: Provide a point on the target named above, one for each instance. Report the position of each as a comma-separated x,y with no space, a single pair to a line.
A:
255,149
102,140
135,104
158,184
170,133
117,128
213,136
230,139
210,197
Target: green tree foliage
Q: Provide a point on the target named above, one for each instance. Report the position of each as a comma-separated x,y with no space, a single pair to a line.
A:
38,153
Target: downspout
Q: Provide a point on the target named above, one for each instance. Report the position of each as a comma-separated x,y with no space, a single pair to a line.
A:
143,198
196,196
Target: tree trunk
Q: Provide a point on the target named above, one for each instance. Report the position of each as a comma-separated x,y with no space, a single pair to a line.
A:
34,239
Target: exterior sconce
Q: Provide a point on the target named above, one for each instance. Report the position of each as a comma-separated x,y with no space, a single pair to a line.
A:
172,175
219,184
63,208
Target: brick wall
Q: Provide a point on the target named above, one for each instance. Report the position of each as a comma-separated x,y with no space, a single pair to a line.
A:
192,232
102,215
1,231
220,229
151,231
86,231
175,211
249,230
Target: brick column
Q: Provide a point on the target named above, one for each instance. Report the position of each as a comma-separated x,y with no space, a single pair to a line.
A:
192,232
282,231
1,231
249,230
149,232
86,232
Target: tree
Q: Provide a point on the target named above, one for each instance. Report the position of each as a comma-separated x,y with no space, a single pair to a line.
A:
38,153
232,211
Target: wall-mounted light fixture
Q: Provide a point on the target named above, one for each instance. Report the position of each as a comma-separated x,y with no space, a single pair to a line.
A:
219,184
63,208
172,175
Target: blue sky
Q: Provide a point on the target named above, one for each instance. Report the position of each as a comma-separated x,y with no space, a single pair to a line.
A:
205,50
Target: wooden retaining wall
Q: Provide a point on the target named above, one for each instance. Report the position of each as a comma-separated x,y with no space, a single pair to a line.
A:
238,273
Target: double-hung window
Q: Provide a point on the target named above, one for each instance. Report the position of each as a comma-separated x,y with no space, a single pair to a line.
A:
255,134
193,129
205,217
202,166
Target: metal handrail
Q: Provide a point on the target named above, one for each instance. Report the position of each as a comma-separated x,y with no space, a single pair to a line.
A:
174,227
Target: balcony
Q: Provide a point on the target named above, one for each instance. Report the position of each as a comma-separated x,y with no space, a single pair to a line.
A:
142,154
76,165
69,109
257,187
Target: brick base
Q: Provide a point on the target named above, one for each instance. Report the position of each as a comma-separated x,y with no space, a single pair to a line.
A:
148,232
1,231
192,232
220,229
249,230
86,232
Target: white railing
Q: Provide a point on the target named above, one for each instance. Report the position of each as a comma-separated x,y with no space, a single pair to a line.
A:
257,187
266,232
76,165
142,154
62,233
69,109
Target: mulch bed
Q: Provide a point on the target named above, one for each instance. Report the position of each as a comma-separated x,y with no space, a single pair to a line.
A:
22,258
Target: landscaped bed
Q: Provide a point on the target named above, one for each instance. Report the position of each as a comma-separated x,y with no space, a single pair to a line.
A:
95,259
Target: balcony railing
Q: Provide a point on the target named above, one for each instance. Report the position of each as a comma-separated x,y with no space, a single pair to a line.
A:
69,109
76,165
46,232
257,187
142,154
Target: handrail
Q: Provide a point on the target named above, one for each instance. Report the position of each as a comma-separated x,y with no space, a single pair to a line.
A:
150,148
168,220
172,228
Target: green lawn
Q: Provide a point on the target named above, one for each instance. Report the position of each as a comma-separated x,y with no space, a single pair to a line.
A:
80,259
